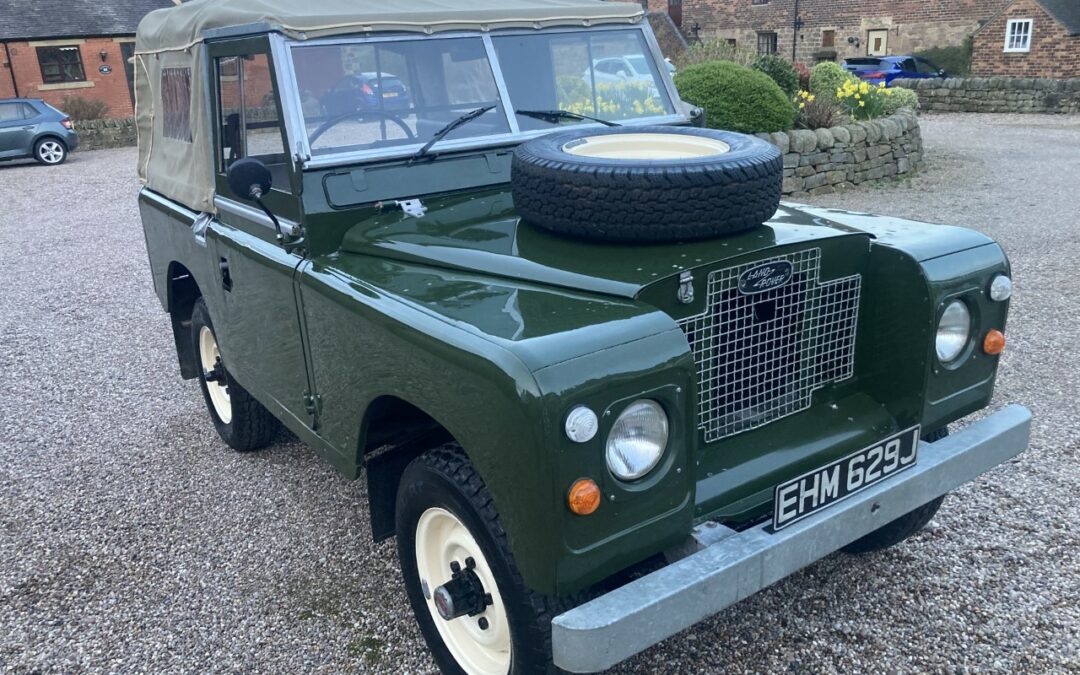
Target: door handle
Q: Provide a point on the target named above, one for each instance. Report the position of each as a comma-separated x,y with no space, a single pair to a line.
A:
28,128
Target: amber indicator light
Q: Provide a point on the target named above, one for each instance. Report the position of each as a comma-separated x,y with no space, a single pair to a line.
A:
994,342
584,496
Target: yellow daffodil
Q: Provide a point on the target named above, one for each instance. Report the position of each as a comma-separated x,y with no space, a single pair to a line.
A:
810,98
864,88
862,104
801,106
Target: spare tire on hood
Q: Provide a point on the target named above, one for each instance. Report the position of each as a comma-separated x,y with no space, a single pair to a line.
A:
646,183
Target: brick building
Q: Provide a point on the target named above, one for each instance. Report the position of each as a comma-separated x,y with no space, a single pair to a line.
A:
50,49
833,29
1030,38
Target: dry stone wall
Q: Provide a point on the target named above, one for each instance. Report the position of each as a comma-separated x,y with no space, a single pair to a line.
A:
996,94
827,160
102,134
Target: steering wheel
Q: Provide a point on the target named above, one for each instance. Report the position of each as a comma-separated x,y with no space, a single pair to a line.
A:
360,114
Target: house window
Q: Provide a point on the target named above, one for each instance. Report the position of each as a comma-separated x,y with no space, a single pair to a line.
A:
1018,35
766,43
60,64
828,38
176,103
732,42
759,2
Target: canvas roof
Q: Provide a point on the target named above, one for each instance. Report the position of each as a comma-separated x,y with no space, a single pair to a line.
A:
180,27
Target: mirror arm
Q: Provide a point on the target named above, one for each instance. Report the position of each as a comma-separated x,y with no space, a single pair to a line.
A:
256,196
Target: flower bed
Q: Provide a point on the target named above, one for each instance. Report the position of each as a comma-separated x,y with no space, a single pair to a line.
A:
826,160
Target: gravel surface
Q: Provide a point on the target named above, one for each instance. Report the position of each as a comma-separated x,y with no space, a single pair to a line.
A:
133,541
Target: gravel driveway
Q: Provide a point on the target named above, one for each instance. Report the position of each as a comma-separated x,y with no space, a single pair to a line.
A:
132,540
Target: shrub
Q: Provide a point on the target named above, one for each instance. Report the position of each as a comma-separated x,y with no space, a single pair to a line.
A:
863,101
707,51
735,97
780,70
815,113
79,108
901,98
827,78
956,60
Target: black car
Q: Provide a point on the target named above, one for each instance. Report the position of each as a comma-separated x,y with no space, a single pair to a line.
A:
30,127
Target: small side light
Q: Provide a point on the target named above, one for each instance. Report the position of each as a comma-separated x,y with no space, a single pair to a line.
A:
584,496
1001,288
581,424
994,342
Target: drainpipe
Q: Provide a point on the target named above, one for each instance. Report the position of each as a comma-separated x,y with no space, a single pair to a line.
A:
11,70
796,24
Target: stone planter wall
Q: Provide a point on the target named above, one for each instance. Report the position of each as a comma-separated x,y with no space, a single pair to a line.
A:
826,160
996,94
102,134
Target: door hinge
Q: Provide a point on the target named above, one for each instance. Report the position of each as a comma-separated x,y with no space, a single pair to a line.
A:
313,404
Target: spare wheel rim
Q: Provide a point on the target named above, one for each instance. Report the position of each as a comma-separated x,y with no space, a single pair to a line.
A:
219,391
646,146
441,538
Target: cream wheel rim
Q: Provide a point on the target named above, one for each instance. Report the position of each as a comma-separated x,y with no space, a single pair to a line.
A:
646,146
219,391
441,539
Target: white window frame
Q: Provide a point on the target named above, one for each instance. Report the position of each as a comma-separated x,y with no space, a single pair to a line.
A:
1026,44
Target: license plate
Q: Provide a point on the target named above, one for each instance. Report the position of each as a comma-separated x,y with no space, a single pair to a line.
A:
809,493
390,94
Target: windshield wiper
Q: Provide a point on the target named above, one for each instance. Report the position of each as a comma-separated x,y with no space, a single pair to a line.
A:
454,124
554,116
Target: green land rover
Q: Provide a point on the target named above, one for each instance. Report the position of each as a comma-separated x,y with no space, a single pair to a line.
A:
601,382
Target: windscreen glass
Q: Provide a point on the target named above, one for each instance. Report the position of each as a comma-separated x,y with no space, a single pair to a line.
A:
381,94
606,74
864,64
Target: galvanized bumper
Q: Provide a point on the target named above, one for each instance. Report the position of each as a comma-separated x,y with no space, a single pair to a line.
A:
615,626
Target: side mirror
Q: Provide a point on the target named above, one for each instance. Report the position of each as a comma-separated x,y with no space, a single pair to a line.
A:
248,178
623,74
941,72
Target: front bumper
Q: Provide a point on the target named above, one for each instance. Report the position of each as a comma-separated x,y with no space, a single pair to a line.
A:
619,624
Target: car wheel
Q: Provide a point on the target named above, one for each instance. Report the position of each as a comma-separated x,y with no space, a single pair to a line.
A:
470,601
906,525
241,421
50,151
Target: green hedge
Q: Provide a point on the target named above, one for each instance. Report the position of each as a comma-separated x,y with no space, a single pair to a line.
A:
736,98
826,78
955,60
780,70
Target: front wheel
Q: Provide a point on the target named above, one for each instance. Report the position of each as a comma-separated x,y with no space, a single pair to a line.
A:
906,525
474,610
241,421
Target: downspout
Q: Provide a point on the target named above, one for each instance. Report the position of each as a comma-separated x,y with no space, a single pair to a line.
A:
11,70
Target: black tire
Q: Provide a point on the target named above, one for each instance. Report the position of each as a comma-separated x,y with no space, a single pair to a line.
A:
638,200
443,478
905,526
50,151
250,426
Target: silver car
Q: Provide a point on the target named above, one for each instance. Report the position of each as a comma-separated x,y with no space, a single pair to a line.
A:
30,127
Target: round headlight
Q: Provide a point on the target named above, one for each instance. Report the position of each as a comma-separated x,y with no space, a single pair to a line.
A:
953,331
1001,288
637,439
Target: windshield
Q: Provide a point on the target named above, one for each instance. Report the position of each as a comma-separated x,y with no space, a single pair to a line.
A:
605,74
864,64
365,95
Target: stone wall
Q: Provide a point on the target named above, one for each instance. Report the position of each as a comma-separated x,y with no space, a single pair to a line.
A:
827,160
101,134
996,94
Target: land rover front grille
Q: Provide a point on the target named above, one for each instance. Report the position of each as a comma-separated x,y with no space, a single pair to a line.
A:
760,357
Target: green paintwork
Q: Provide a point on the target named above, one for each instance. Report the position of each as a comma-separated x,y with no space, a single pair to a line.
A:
496,329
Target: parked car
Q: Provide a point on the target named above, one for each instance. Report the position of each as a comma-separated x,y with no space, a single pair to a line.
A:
877,69
601,383
30,127
624,68
366,91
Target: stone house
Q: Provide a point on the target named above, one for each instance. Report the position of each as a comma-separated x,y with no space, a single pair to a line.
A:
1030,38
51,49
827,30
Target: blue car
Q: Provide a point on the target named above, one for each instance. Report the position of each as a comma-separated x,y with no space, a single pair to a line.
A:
30,127
878,69
366,91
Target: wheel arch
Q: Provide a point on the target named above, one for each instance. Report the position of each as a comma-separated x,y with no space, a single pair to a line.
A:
393,433
181,292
